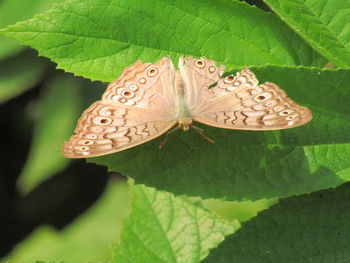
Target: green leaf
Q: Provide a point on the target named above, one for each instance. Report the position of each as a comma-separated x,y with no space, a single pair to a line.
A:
59,109
324,24
307,228
98,38
251,164
88,239
20,73
164,228
12,11
241,211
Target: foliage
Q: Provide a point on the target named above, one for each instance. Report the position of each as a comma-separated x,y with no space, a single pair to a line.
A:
12,11
255,165
121,32
321,23
308,228
101,224
96,39
175,229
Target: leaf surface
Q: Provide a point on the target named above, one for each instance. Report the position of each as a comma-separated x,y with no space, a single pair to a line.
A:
12,11
307,228
324,24
98,38
87,239
162,228
252,164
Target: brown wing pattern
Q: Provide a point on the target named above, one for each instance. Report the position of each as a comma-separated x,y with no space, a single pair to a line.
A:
140,105
237,101
261,107
104,129
135,108
144,86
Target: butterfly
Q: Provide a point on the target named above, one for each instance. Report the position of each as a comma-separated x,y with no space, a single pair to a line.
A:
147,100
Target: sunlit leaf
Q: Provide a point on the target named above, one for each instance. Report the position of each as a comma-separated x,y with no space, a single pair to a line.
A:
12,11
98,38
324,24
162,228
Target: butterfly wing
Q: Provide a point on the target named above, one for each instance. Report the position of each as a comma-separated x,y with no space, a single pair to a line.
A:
238,102
148,86
198,75
134,109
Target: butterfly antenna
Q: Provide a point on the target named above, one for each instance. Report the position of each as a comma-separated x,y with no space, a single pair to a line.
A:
201,133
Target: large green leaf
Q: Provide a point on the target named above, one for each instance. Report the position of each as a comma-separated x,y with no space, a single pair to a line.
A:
161,228
20,73
308,228
88,239
324,24
59,108
98,38
251,164
12,11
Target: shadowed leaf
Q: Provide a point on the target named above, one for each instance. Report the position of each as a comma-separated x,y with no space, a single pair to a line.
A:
307,228
253,164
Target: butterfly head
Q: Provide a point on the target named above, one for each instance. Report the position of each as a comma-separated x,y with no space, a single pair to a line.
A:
185,125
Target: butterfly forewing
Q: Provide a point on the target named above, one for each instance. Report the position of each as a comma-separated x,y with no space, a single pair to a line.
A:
144,86
198,76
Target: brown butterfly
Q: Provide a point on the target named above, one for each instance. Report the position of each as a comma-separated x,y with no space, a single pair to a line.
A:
149,99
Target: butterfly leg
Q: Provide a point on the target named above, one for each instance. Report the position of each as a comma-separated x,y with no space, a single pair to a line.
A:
201,133
166,139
